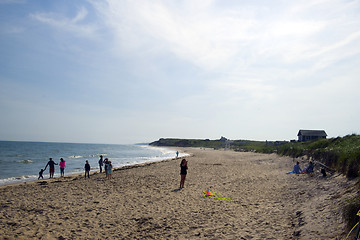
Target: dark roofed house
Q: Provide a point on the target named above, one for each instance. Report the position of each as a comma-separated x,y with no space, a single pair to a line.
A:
308,135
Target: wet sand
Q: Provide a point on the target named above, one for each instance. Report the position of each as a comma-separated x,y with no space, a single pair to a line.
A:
144,202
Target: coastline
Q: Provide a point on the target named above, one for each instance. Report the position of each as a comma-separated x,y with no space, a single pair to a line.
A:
93,172
143,201
73,168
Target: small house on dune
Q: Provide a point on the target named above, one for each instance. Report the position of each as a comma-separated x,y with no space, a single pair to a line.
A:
308,135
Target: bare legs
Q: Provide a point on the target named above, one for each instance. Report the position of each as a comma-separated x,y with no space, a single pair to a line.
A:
52,171
182,181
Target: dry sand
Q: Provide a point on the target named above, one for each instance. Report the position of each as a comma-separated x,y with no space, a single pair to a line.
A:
144,202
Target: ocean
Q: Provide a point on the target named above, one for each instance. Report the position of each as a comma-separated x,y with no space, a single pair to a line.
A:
22,161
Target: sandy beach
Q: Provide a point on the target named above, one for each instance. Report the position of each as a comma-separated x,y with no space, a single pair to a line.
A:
144,202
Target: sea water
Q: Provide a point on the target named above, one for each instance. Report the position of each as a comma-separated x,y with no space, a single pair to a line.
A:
22,161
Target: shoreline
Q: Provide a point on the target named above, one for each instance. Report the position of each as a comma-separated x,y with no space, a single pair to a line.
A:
144,201
95,172
33,178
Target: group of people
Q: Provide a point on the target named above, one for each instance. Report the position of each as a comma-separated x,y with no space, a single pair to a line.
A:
51,164
108,166
297,169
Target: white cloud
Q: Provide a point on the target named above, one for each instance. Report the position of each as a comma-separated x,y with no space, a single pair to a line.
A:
351,38
66,24
215,67
220,38
198,34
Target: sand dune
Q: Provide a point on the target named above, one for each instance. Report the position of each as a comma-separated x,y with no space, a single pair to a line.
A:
144,202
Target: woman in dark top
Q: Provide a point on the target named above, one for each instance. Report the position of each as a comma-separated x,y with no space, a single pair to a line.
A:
183,172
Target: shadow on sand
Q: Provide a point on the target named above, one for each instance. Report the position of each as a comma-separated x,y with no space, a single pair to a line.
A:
176,190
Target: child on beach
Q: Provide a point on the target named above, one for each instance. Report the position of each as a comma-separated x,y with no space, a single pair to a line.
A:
41,174
106,161
87,169
109,170
62,167
183,172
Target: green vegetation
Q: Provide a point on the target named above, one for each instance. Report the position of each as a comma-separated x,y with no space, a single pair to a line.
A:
341,154
237,145
174,142
350,211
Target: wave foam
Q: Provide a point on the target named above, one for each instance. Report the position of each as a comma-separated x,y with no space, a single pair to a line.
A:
25,161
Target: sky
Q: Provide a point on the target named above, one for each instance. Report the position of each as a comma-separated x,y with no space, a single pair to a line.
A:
122,71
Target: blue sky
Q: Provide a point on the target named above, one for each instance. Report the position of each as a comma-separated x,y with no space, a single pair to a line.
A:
120,71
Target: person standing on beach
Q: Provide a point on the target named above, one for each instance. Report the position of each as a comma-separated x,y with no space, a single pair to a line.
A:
183,172
106,166
101,163
177,154
51,165
87,169
62,167
109,170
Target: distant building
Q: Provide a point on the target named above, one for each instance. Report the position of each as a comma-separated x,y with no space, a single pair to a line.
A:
223,139
308,135
226,142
